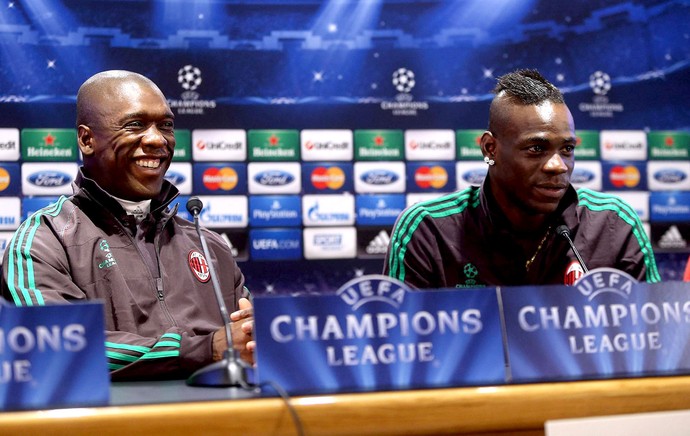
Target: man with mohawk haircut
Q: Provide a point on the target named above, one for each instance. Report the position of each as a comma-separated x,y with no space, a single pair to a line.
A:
116,240
505,231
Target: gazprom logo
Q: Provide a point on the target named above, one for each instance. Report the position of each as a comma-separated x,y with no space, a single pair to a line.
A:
274,178
379,177
174,177
474,177
50,179
582,176
670,176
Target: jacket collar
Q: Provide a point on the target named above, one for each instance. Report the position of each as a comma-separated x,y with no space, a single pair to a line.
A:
85,187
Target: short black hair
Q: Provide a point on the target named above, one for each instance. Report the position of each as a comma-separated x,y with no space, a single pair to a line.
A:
521,87
527,87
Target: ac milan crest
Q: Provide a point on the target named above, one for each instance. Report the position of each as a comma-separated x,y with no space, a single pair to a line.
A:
199,266
572,273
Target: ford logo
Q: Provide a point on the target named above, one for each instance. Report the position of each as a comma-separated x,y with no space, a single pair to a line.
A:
174,178
670,176
274,178
581,176
46,179
379,177
474,177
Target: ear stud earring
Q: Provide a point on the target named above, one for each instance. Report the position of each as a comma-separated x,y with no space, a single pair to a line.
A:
488,161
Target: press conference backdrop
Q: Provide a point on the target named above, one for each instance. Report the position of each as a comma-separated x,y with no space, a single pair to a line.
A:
307,126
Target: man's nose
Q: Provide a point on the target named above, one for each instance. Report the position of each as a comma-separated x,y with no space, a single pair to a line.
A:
556,164
153,137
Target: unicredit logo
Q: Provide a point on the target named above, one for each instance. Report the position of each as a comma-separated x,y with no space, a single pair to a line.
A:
219,145
429,145
49,179
174,178
379,177
582,176
274,178
328,145
669,176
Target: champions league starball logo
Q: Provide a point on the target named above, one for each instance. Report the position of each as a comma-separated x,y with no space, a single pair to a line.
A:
190,78
600,83
403,81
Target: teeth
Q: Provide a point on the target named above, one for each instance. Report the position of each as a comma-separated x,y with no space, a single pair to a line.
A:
149,163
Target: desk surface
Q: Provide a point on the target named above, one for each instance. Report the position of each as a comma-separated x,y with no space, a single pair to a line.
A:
517,409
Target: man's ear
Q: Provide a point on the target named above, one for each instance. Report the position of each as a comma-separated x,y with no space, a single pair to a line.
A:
488,144
85,140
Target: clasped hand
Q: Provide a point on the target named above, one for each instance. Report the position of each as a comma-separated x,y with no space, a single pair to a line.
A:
242,327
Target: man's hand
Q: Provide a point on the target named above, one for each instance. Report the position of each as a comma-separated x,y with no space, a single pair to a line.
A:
242,326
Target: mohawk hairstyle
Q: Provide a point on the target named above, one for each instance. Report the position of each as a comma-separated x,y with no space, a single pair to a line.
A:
527,87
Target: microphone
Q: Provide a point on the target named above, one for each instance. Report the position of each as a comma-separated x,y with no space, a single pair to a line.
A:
564,231
230,371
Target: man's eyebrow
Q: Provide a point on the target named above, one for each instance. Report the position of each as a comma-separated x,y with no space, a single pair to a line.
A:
146,115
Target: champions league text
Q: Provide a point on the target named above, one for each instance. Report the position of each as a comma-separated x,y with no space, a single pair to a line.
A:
22,340
649,314
285,328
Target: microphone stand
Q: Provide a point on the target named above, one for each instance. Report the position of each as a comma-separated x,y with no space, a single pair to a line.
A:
564,231
231,370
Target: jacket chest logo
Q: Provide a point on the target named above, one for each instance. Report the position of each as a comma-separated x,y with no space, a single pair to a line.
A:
109,259
199,266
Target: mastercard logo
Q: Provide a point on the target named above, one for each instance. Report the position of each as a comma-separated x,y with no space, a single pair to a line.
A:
431,177
224,178
627,177
327,178
4,179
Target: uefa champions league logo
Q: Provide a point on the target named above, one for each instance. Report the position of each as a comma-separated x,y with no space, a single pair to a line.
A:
600,82
403,80
189,77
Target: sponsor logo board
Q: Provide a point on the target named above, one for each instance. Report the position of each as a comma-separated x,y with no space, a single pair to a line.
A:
274,178
378,210
327,177
183,146
275,244
586,174
273,145
668,175
326,145
180,175
429,145
623,144
275,210
220,178
470,174
383,145
40,145
624,176
223,211
10,213
9,144
379,177
430,176
330,242
328,210
10,179
468,144
669,206
219,145
48,178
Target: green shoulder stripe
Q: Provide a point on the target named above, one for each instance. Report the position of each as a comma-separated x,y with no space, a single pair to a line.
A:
409,221
20,270
598,201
